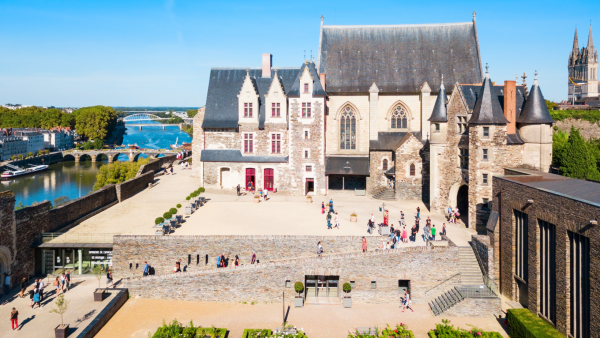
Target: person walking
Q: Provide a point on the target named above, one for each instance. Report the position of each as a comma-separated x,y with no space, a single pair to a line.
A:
68,279
433,230
31,293
319,249
23,287
322,207
6,283
62,281
336,220
407,302
402,218
171,170
404,239
37,298
449,213
331,206
418,212
238,190
146,268
109,278
14,318
56,285
237,260
266,192
413,232
364,244
443,229
253,260
41,288
329,221
425,233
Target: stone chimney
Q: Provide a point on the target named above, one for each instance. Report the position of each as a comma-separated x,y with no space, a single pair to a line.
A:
267,60
510,106
322,77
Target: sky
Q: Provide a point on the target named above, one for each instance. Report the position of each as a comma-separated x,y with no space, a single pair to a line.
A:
159,53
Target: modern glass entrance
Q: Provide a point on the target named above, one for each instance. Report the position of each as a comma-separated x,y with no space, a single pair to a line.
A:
322,286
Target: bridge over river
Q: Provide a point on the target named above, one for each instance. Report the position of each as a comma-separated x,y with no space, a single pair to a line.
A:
112,155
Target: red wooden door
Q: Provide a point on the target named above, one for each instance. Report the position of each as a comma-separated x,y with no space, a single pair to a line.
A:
250,174
269,179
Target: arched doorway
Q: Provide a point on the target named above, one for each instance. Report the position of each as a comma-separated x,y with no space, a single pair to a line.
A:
462,203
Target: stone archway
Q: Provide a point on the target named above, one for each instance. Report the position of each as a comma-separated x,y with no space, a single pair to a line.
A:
4,262
462,203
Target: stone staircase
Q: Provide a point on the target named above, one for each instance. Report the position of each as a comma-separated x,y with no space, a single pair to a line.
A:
386,195
471,279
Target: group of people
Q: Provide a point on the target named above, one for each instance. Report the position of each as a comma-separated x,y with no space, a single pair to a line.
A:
452,214
185,165
333,219
223,262
62,282
400,234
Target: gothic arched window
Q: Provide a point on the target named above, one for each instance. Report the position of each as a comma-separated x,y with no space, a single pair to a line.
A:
385,165
412,169
348,129
399,118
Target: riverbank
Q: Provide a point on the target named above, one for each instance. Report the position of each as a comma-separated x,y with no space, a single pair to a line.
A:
43,159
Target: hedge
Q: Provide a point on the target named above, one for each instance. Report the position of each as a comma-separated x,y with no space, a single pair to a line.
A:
449,331
491,334
256,333
523,323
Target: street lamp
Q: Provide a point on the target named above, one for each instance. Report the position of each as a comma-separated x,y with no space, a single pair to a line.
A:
80,185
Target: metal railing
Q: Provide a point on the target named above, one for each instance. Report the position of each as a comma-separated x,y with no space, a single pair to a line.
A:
491,284
63,237
442,282
475,291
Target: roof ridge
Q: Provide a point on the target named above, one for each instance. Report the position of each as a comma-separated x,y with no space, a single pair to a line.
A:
400,25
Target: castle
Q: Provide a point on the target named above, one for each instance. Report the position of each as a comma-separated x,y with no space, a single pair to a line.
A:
399,110
583,69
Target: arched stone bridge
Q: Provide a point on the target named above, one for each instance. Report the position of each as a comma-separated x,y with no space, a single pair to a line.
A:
112,155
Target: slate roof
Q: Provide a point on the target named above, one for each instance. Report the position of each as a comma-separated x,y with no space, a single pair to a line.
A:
535,110
347,165
317,88
487,109
398,58
471,93
440,111
390,140
224,86
235,155
514,138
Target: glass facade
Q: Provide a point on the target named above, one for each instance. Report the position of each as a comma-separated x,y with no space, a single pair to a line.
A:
78,261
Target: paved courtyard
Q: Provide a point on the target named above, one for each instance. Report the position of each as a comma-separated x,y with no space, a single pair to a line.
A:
228,214
40,323
140,316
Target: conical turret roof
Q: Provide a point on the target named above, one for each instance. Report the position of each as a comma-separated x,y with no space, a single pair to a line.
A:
440,111
487,108
535,110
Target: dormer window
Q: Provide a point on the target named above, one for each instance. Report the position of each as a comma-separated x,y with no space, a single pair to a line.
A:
247,109
486,132
306,88
306,110
275,109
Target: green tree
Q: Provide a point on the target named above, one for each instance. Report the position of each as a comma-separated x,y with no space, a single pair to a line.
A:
192,112
60,307
98,144
117,172
551,105
559,143
95,122
578,160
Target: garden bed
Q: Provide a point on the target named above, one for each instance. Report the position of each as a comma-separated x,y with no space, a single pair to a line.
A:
400,331
266,333
449,331
177,330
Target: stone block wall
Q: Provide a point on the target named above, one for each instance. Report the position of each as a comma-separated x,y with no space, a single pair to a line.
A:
485,252
377,179
409,187
566,214
227,175
133,186
74,209
162,251
265,282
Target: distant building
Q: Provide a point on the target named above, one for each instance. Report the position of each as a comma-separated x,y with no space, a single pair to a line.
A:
58,138
12,146
33,137
583,70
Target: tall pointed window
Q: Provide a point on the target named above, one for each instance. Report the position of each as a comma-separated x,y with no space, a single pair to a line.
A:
399,118
348,129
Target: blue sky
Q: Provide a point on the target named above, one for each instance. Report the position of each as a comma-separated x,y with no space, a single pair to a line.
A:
159,53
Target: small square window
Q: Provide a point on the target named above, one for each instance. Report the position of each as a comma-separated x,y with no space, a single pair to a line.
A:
486,131
352,284
485,154
437,127
288,284
485,179
373,285
309,168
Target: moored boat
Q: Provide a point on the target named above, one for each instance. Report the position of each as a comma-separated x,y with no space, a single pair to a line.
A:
17,171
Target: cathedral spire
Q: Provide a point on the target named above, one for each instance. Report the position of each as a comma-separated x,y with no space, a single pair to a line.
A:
575,50
590,44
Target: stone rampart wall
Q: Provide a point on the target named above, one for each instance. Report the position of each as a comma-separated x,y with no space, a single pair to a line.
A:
161,252
77,208
484,250
133,186
265,282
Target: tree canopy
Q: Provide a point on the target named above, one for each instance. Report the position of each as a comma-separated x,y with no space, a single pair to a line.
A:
576,157
192,112
35,117
117,172
95,122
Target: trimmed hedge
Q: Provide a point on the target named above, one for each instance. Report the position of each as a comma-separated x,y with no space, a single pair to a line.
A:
256,333
446,330
176,330
523,323
491,334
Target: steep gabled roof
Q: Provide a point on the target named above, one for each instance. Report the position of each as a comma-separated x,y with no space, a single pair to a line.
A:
535,110
440,111
399,58
317,88
487,108
391,140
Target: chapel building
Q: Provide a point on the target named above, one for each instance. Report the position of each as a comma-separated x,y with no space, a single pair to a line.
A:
583,70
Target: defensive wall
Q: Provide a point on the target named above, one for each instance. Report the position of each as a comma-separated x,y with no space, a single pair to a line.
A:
282,258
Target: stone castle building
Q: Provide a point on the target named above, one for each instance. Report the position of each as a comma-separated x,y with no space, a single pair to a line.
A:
401,105
583,69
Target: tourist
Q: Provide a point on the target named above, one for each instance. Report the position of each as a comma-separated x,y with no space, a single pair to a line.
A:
407,302
402,218
336,220
175,268
449,214
433,232
23,287
331,206
218,261
404,239
62,281
41,288
443,229
425,233
364,244
223,261
418,213
413,232
171,169
14,316
68,280
383,246
6,283
31,293
109,278
456,215
319,249
253,260
322,207
394,240
266,192
146,269
328,221
56,285
182,165
238,189
260,193
237,260
428,222
37,298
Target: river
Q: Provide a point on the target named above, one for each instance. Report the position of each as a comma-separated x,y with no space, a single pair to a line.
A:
70,179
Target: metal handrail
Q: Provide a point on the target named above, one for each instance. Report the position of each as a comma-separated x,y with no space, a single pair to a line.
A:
444,281
491,284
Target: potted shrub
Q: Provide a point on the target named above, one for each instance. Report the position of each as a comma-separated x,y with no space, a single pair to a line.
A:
173,211
353,216
60,307
308,199
347,298
159,220
256,199
167,215
299,300
99,293
188,198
